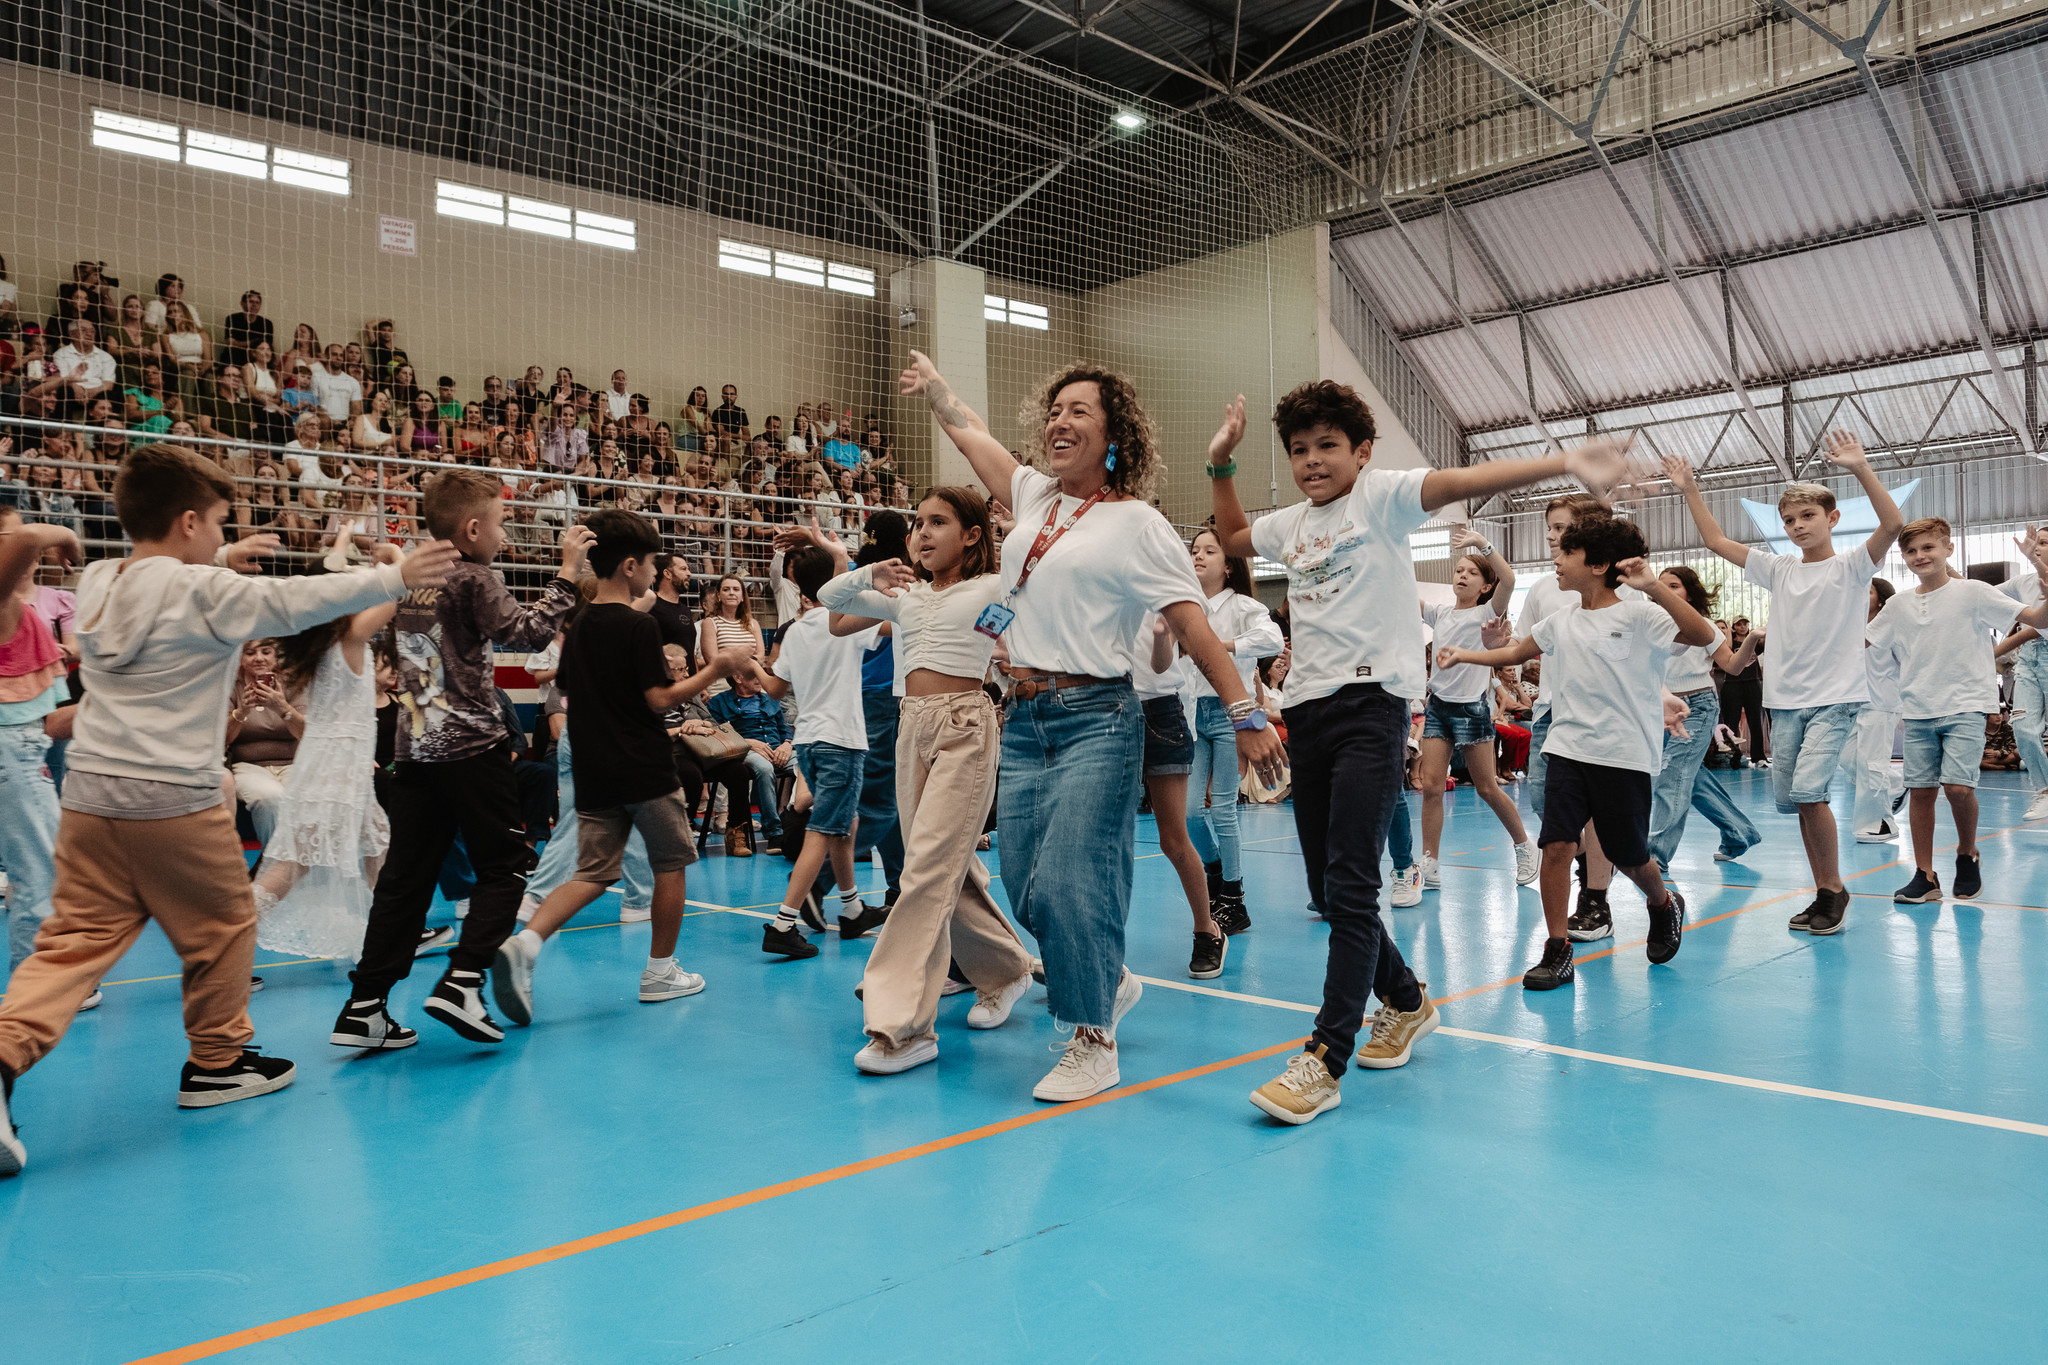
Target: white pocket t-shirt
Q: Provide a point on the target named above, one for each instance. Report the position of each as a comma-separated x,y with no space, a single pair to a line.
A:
1606,672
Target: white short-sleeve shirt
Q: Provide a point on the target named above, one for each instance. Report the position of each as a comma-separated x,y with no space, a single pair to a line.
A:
1351,585
1817,613
1144,681
1455,627
1081,608
1545,598
1606,704
1881,667
1692,666
1944,641
823,671
1252,631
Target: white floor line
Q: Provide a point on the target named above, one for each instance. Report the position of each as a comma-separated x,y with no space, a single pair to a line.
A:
1636,1064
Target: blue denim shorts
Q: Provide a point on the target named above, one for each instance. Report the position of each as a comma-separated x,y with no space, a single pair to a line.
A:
1460,722
835,776
1945,751
1806,747
1169,745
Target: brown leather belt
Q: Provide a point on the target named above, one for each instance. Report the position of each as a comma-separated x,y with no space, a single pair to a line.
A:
1024,689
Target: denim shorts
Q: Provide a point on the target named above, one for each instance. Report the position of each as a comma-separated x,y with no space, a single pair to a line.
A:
1461,722
1169,746
835,776
1946,751
1807,743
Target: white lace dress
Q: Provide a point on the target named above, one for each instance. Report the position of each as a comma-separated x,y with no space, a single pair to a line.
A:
313,891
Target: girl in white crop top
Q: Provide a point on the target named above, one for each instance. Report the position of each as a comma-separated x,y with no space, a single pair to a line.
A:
946,757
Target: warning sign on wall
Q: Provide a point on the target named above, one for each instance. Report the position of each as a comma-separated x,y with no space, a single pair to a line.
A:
399,236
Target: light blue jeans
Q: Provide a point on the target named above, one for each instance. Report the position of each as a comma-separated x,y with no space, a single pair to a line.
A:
28,834
1067,806
1684,786
1214,827
2030,708
1532,780
1807,744
763,773
558,859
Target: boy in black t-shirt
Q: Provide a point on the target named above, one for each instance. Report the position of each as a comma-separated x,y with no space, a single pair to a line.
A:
617,684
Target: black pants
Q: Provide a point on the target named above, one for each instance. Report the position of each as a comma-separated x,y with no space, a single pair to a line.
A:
732,775
429,803
536,783
1745,697
1346,752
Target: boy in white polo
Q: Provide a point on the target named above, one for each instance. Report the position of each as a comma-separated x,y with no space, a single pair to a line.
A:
1814,684
1942,632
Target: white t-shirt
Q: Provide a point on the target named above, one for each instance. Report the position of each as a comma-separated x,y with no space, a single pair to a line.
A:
154,311
1545,598
1606,706
1944,641
1147,683
1881,668
823,670
1348,567
1455,627
100,368
1692,666
2025,588
1080,610
336,389
618,404
1253,633
1817,615
934,630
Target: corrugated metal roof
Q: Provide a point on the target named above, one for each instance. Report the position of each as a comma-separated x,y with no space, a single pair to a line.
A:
1572,235
1381,263
1863,301
1637,343
2020,236
1467,382
2001,112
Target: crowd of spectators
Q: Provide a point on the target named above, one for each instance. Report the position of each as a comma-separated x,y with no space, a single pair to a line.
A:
328,441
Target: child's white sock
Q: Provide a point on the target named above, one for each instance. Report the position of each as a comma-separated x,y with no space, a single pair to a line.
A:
660,964
533,941
849,903
785,920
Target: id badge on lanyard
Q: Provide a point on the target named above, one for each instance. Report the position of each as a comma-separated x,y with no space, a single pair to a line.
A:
995,618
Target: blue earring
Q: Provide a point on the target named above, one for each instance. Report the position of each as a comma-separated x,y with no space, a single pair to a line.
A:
1112,455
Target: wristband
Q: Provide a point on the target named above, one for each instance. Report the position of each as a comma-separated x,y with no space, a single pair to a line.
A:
1221,471
1485,548
1238,710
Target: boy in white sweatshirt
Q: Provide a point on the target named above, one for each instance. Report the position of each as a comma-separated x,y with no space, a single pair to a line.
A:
144,832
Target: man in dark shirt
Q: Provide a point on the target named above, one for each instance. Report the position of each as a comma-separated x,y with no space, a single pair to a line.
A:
384,355
670,612
227,412
729,419
495,405
243,330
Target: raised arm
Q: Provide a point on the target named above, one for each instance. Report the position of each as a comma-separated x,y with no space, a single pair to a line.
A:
20,551
1693,628
1598,464
862,598
1464,538
1233,528
1845,452
1679,470
993,464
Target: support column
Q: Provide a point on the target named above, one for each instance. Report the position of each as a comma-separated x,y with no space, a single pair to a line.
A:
947,299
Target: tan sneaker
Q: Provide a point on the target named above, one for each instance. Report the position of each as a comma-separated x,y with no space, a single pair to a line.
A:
737,845
1394,1033
1302,1091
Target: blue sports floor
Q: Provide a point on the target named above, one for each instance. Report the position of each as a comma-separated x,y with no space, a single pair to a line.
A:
1776,1148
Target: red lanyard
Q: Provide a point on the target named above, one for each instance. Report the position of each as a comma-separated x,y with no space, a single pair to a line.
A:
1048,537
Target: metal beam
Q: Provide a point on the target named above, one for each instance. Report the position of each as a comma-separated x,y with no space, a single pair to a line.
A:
1536,338
1400,110
1613,60
1006,210
1200,77
1300,33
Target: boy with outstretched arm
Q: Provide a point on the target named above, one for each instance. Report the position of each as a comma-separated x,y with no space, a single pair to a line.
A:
1941,631
1816,681
1604,660
1357,665
144,834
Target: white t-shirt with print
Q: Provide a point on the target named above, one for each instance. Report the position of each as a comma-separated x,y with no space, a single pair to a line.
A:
1081,608
336,389
1350,580
1817,615
1606,704
1455,627
1944,640
823,671
1692,666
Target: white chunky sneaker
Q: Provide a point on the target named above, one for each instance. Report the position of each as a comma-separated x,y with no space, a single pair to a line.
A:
879,1059
668,983
636,914
1085,1068
1406,888
992,1008
1432,878
1528,863
1128,989
2037,809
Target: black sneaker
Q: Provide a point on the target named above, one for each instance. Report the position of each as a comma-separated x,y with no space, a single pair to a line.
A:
1920,890
1799,922
255,984
788,942
1667,928
1213,872
1898,801
1830,913
431,939
1969,877
1592,920
1556,968
870,918
1038,970
13,1156
811,913
1226,907
253,1075
458,1002
368,1024
1207,961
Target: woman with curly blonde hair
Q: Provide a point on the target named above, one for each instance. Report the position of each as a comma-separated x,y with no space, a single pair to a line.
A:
1088,561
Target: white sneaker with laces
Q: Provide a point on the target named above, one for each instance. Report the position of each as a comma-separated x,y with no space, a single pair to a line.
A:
1406,888
512,977
1085,1068
879,1059
2037,809
1128,989
636,914
1528,863
992,1008
1432,877
668,983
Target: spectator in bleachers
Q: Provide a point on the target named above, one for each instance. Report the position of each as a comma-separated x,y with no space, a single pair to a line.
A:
562,394
471,436
824,426
618,399
187,346
74,304
495,406
772,430
528,396
341,396
799,442
240,333
376,429
404,388
227,413
259,377
421,435
840,451
303,452
130,339
151,405
383,357
169,290
696,419
50,498
84,370
300,399
730,419
447,406
264,726
257,502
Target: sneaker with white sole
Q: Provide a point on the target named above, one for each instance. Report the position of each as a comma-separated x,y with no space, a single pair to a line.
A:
1406,888
1591,921
431,939
1395,1033
1528,863
1431,872
251,1075
512,978
2037,809
879,1059
458,1002
1305,1089
1885,833
955,986
635,914
668,982
1085,1068
368,1024
1128,989
13,1156
991,1009
93,1001
812,914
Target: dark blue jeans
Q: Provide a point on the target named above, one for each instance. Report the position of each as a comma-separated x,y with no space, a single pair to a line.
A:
1346,754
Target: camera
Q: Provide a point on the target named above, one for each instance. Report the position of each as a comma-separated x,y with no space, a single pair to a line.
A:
110,281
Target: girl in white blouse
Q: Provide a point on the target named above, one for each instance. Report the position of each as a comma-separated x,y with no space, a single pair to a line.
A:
946,757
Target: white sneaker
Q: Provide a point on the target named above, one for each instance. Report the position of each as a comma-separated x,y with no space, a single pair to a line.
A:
1885,833
992,1008
668,983
953,987
636,914
2037,809
93,1001
879,1059
1432,879
1528,863
1085,1068
512,978
1406,888
1128,989
462,908
528,907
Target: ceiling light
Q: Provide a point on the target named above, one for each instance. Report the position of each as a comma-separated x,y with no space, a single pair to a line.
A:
1129,120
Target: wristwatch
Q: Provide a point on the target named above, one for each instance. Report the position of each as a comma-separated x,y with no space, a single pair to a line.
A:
1254,719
